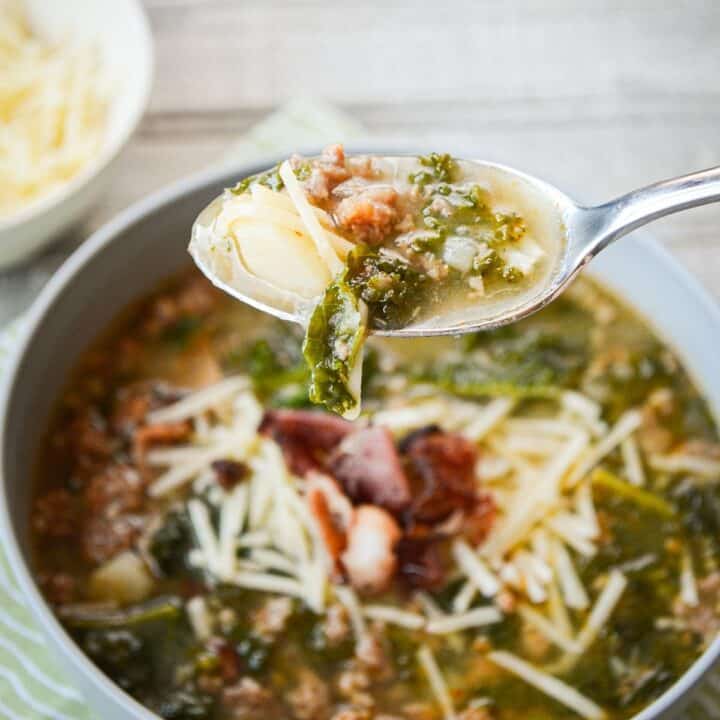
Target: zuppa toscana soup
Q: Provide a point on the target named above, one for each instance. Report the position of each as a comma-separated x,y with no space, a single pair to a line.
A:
378,243
522,524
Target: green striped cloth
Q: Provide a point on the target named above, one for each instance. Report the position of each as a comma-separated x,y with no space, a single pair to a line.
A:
32,686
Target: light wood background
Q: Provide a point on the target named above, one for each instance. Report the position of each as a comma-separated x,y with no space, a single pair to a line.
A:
597,96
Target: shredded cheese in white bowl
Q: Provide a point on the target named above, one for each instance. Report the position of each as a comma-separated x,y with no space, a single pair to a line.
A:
74,80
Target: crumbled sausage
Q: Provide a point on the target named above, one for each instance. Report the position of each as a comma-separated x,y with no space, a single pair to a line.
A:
703,619
270,620
478,713
247,700
56,514
328,171
91,443
59,588
419,711
371,654
196,298
336,625
354,714
369,214
310,698
117,490
103,537
114,499
353,684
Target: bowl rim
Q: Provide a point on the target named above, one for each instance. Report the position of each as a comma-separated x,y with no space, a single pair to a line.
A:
110,150
64,277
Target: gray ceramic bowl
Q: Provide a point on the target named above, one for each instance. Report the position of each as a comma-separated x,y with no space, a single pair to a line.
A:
146,243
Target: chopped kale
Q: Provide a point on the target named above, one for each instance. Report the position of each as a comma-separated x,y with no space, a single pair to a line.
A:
332,345
181,332
437,168
270,179
393,291
515,361
119,653
185,704
699,506
171,543
278,371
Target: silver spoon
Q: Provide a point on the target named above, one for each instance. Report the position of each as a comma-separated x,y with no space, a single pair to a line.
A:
588,230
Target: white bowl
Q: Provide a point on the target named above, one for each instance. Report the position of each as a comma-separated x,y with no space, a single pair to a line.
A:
120,31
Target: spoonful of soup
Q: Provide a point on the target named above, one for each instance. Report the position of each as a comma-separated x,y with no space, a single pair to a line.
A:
407,246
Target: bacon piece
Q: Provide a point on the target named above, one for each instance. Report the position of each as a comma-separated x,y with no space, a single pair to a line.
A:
442,470
420,562
369,560
305,436
368,466
479,521
230,472
332,512
159,434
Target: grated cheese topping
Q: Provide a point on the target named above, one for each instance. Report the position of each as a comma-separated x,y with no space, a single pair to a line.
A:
548,684
53,111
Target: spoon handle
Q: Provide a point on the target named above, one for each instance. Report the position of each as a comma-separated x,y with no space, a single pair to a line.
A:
606,223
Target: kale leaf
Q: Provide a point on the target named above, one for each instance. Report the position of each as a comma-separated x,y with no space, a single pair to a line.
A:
515,362
437,168
171,544
393,291
333,347
270,179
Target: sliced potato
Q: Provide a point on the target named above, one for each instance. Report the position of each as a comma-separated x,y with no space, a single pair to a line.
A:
123,579
284,258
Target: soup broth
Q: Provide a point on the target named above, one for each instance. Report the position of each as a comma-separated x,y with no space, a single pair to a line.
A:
523,523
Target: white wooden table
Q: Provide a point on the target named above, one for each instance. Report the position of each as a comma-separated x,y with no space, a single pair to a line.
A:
597,96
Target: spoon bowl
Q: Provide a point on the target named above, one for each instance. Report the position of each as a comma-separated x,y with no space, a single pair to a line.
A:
585,232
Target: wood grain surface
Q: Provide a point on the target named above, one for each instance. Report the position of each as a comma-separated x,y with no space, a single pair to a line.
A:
597,96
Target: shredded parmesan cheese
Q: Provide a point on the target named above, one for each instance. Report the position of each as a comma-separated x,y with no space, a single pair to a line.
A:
475,568
688,584
633,464
349,600
455,623
627,424
53,111
394,616
703,467
548,684
554,633
310,220
437,682
268,583
462,601
200,401
199,617
602,610
572,588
